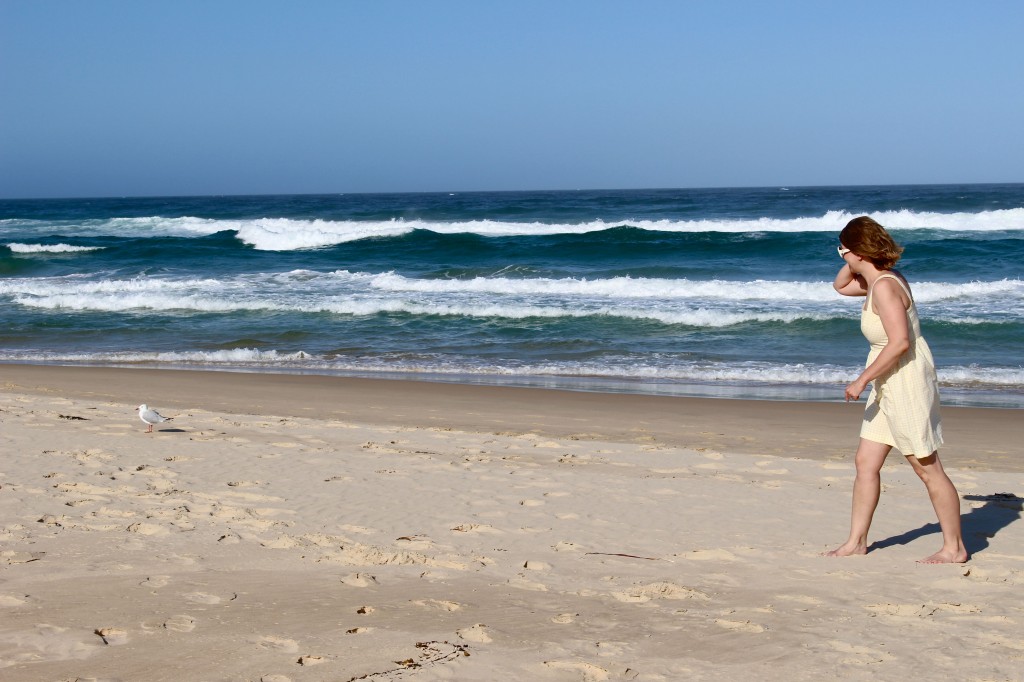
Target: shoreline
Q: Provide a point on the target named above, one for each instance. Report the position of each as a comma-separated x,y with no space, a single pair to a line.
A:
1006,397
976,438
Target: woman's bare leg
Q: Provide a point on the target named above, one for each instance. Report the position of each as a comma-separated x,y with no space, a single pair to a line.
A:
946,502
866,489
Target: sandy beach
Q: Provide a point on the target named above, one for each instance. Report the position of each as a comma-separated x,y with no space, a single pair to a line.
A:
289,527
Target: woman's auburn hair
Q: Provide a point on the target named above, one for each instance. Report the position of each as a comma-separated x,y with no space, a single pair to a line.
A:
870,241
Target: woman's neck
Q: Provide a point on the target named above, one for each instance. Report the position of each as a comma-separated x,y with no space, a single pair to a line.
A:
870,273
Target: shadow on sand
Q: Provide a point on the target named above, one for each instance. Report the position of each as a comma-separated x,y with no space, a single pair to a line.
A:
979,524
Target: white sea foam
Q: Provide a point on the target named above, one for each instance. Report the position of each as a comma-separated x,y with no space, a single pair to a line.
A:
655,288
16,247
282,234
662,370
79,285
157,226
154,302
344,282
615,287
229,356
287,234
695,303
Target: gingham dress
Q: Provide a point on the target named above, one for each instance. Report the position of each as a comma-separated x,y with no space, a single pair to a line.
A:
903,407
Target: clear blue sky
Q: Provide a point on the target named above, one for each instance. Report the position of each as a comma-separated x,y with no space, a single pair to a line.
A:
152,97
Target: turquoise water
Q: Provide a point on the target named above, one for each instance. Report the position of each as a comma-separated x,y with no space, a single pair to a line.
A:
693,292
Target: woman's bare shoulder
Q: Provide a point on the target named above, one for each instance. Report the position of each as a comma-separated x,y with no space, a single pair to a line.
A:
892,284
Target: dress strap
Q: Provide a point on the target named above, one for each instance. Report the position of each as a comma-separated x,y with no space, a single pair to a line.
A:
889,275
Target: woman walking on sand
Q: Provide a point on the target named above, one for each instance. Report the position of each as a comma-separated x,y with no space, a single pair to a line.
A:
903,406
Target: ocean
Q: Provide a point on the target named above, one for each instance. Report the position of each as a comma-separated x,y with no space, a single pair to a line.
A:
700,292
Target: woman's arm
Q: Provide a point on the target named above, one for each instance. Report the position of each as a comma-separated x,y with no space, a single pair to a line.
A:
849,284
893,312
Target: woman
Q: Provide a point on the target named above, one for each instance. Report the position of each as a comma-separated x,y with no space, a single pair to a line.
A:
903,406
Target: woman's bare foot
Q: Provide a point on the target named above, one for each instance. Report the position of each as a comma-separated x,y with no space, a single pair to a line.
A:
944,556
848,549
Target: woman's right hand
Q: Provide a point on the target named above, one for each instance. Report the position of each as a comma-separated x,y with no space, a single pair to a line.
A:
849,284
855,388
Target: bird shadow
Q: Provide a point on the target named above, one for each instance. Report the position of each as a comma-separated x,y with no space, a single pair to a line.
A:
979,525
170,431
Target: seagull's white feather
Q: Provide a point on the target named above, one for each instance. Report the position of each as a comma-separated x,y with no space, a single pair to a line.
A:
150,416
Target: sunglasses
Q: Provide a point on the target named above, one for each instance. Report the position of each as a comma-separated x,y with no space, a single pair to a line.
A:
843,251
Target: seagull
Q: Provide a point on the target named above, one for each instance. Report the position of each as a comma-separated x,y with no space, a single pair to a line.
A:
151,417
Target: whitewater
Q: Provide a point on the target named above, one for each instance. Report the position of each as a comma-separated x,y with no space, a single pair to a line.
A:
286,234
691,292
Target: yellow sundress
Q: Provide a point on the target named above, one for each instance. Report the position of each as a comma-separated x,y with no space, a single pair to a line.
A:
903,407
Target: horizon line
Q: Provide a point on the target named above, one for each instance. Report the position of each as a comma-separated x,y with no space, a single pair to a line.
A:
453,192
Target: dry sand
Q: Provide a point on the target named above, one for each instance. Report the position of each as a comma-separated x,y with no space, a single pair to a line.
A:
314,528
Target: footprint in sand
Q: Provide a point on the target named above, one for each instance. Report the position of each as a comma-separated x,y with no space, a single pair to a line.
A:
522,583
113,513
475,633
415,542
837,466
358,579
475,528
251,497
147,529
281,542
289,646
665,491
156,581
709,555
82,489
802,599
112,636
180,623
12,557
439,604
858,655
47,642
763,468
658,590
202,598
1001,640
739,625
921,610
362,530
590,673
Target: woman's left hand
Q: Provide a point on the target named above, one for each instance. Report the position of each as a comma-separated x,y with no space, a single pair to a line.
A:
855,388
